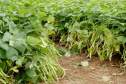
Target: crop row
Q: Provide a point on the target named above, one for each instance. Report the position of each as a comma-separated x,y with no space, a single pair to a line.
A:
26,53
97,25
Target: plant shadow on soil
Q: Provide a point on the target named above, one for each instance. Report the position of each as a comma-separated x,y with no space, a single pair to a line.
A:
106,72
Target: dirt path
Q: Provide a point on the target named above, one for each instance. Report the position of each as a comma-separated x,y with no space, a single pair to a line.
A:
96,73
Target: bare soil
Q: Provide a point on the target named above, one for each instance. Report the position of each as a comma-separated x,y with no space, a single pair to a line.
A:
107,72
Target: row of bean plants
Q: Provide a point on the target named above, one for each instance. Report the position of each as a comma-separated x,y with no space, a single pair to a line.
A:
27,55
96,25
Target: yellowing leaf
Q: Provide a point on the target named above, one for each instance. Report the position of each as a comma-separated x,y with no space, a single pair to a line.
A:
67,1
109,37
16,70
117,47
91,67
50,74
104,26
107,31
30,83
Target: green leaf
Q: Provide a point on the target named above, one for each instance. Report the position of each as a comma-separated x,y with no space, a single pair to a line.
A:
23,11
1,35
18,35
28,78
29,30
31,72
70,29
36,58
107,31
1,43
122,39
19,46
5,19
101,58
22,41
50,32
11,52
24,75
5,46
79,31
76,24
49,26
20,61
9,63
28,15
76,64
66,24
27,4
17,77
3,64
28,65
12,40
6,36
2,53
2,14
35,79
62,51
32,40
117,47
84,63
50,79
75,53
14,18
12,27
41,14
13,58
51,19
67,54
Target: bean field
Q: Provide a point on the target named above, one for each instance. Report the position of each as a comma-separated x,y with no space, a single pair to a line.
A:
31,30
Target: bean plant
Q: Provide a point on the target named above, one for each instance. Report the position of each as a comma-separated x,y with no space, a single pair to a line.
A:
27,55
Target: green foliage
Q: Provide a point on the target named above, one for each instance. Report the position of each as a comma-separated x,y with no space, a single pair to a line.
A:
26,53
96,25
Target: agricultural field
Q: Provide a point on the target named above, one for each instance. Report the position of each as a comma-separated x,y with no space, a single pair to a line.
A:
41,39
